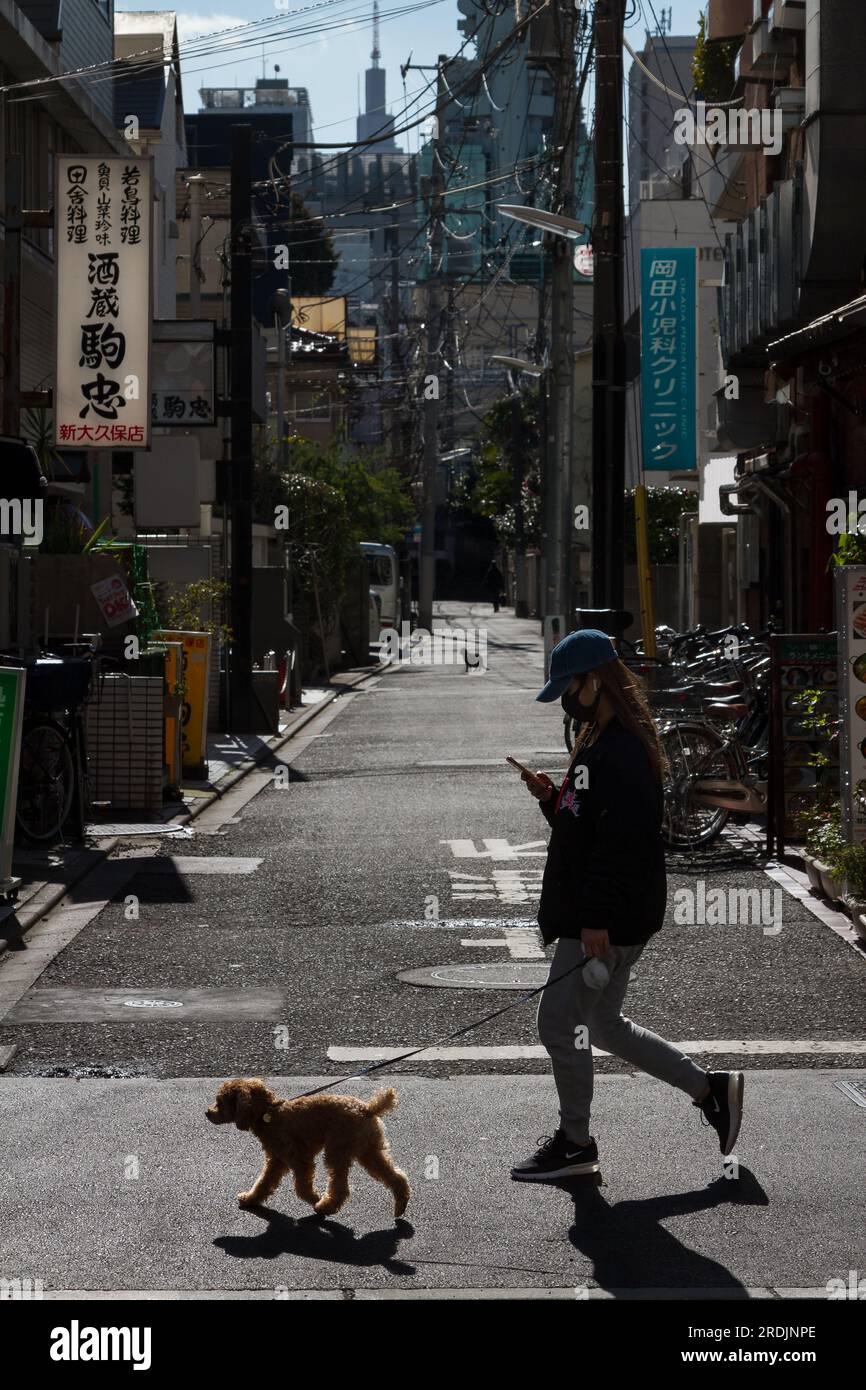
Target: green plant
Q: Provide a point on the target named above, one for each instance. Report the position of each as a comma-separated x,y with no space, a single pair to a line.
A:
824,838
850,548
826,842
713,65
487,486
810,707
664,506
183,608
37,425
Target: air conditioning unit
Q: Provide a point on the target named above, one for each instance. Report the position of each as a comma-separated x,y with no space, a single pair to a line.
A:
791,101
765,55
788,16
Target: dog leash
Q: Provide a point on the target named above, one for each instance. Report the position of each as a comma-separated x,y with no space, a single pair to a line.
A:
448,1037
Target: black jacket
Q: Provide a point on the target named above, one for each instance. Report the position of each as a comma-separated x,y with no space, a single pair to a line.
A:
605,861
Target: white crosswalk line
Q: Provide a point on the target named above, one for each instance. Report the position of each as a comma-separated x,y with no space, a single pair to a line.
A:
506,1052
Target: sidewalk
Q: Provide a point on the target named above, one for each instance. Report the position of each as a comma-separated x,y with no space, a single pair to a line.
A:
47,875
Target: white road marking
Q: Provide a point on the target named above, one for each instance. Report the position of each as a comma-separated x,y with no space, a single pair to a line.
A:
506,1052
520,944
508,885
194,864
497,849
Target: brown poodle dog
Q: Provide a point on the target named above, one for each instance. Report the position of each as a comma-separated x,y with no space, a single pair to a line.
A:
293,1132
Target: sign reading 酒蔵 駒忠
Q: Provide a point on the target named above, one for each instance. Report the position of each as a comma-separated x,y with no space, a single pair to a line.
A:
669,368
103,314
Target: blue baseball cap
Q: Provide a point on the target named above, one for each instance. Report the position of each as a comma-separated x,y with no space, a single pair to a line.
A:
578,652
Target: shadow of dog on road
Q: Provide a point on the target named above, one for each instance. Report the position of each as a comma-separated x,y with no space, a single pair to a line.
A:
312,1238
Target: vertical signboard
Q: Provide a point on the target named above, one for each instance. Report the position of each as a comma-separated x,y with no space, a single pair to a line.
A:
851,622
669,357
196,666
12,680
103,220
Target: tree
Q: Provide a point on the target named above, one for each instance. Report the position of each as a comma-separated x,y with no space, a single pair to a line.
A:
312,257
487,489
713,65
336,497
664,505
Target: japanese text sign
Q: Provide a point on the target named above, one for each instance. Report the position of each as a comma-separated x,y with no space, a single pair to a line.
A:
103,319
669,366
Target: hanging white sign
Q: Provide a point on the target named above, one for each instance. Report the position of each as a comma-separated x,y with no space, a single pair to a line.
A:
102,236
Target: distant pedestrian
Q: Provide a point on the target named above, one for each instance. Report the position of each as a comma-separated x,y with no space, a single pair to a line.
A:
603,896
493,584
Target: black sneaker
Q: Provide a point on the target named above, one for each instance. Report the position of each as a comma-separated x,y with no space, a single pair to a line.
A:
558,1157
723,1107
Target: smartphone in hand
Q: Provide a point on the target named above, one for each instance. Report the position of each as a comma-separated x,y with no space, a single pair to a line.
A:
521,768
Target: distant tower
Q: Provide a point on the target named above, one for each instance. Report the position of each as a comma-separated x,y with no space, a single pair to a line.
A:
375,119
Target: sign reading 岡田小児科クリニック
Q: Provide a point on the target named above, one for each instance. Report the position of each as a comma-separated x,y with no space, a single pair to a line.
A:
12,681
669,365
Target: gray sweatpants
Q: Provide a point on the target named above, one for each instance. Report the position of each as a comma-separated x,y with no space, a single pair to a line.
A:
572,1017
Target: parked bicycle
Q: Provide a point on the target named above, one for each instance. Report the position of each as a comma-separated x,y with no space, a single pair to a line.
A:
53,790
712,710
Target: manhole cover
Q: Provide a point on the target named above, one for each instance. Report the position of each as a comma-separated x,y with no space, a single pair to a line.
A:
96,1005
505,975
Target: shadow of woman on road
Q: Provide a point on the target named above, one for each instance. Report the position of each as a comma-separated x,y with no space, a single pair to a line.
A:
634,1254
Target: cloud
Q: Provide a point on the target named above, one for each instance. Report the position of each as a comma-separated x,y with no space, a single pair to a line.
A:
189,26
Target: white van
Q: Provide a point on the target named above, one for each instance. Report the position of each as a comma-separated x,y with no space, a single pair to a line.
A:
383,576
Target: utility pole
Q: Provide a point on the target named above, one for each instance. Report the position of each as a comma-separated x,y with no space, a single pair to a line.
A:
195,273
395,353
557,530
608,351
426,574
241,668
12,295
516,461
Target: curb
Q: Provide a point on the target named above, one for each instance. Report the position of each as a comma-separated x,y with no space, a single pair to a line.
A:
45,899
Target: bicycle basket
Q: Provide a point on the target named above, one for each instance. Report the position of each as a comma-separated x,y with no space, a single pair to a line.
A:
57,685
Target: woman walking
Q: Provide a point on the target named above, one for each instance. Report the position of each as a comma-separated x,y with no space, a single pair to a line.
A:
602,898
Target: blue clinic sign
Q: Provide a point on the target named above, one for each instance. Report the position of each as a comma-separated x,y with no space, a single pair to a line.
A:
669,353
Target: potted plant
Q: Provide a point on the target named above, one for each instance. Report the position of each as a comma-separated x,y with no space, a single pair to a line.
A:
824,845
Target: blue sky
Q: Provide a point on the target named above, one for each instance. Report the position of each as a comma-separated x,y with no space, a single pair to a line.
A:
329,64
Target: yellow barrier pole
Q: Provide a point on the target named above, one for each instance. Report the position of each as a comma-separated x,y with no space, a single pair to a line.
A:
644,574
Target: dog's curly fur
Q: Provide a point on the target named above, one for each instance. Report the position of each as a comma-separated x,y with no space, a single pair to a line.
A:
293,1132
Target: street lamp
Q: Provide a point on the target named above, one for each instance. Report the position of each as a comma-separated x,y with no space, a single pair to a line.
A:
548,221
518,364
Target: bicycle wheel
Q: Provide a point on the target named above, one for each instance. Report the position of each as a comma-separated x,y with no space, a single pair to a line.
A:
693,751
46,781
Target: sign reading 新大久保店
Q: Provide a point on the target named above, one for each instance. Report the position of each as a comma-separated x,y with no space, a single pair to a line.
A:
103,216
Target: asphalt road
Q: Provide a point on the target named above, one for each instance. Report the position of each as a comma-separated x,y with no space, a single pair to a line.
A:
398,840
